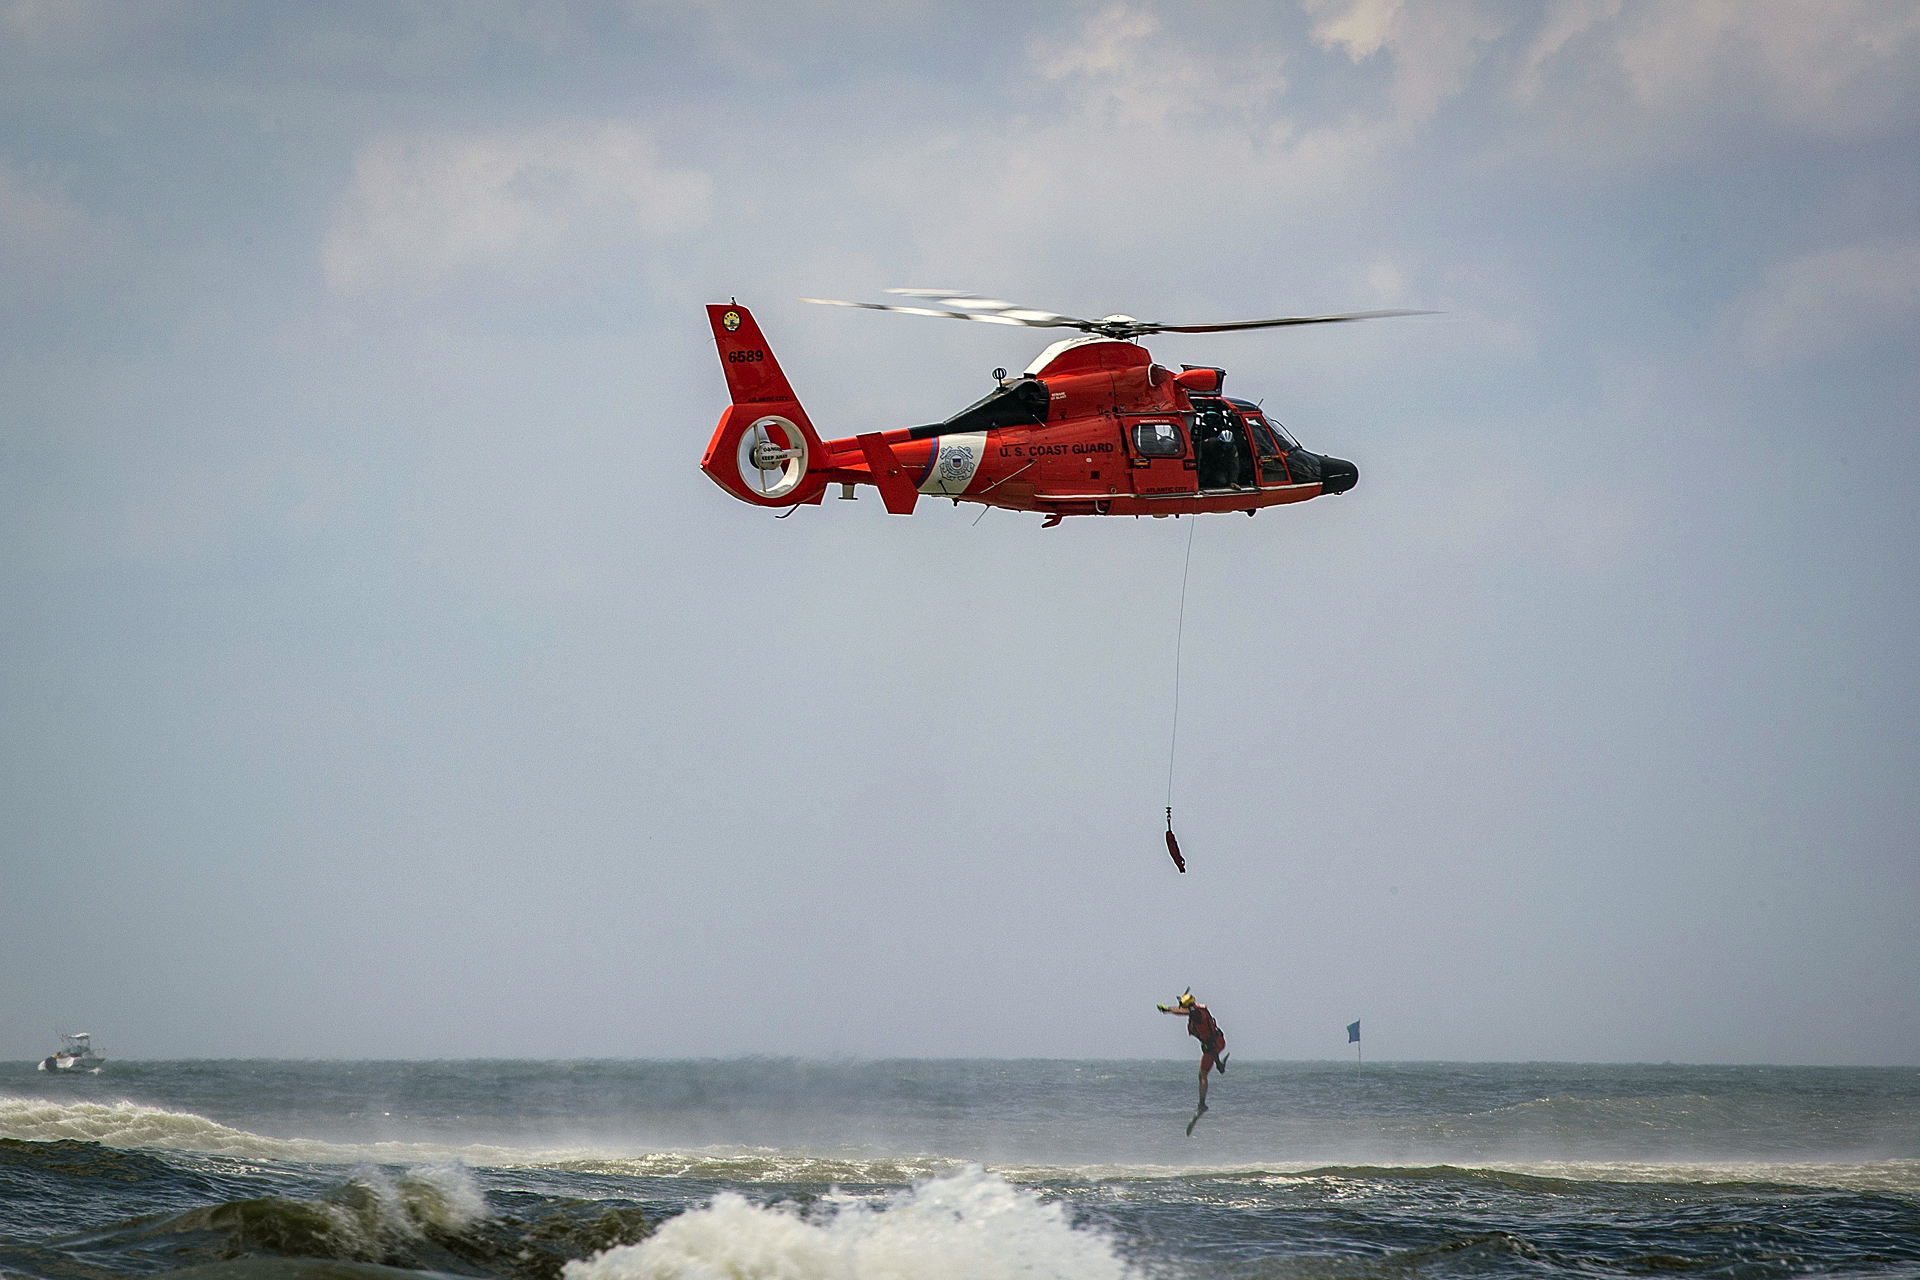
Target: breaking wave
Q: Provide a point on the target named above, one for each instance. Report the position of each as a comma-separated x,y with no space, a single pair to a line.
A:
129,1125
427,1218
756,1164
968,1225
133,1124
371,1217
1900,1177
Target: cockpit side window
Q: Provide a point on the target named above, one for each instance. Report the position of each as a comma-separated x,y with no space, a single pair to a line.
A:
1273,455
1158,440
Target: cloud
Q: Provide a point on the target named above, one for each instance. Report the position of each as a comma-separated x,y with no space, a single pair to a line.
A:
1823,61
1124,88
1385,281
1433,46
1831,301
52,253
429,208
1122,69
36,217
1565,20
42,24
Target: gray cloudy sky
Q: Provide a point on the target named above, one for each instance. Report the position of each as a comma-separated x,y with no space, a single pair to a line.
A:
380,676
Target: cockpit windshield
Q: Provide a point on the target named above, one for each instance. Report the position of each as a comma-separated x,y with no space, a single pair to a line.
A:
1255,419
1287,443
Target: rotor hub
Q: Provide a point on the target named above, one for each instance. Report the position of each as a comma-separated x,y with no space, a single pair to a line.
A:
768,456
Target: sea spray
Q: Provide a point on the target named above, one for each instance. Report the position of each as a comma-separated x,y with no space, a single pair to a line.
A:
969,1225
441,1196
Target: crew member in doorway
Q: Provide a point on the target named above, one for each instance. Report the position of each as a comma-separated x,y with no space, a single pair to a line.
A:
1213,448
1213,1041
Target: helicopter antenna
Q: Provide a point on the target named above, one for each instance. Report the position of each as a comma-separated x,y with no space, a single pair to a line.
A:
1179,637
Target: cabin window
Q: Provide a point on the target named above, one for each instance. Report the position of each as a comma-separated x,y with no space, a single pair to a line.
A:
1158,440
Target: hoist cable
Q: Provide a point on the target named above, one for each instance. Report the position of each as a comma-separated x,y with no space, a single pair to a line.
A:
1179,636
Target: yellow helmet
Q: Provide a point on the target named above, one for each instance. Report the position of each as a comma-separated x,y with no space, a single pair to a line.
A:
1186,999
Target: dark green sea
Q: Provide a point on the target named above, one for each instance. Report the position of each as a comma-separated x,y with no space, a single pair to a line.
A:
797,1170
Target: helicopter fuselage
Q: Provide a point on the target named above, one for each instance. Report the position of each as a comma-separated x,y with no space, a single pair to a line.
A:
1092,427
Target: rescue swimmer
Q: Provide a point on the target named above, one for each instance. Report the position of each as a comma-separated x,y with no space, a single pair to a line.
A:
1213,1042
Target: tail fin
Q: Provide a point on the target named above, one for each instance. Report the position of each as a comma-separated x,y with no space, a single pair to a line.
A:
765,446
753,375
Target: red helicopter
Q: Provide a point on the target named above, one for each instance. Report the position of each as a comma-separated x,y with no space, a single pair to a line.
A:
1092,427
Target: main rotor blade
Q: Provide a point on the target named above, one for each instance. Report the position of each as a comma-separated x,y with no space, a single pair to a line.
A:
1031,316
1270,324
1001,314
995,311
957,298
974,302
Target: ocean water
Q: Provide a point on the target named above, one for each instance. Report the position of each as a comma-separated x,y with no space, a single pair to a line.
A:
798,1170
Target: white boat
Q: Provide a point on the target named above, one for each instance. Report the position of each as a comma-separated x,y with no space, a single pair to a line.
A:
76,1054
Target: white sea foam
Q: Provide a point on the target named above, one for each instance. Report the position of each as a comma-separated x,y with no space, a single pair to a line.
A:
971,1224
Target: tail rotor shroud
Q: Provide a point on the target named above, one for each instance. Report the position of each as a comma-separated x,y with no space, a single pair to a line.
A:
771,458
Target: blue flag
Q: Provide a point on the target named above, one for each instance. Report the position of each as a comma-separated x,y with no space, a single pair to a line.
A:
1353,1033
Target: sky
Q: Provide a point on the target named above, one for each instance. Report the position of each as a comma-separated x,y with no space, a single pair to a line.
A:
381,678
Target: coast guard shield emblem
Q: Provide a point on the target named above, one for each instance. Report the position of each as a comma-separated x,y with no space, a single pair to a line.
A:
956,459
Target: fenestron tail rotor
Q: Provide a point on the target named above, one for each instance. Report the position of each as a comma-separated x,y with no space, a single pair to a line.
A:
772,457
953,304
